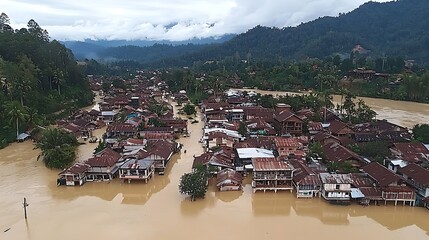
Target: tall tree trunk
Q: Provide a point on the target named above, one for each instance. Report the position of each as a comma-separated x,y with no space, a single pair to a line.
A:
17,128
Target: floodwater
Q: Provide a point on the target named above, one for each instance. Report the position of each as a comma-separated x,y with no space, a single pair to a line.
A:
403,113
157,210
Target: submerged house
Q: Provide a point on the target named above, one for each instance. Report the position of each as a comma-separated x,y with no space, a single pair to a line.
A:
393,187
229,180
306,182
104,165
336,187
74,175
137,169
272,174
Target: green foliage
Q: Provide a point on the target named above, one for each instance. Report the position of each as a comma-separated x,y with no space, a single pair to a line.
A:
59,157
242,129
194,184
421,133
377,150
58,148
189,109
156,122
316,149
101,146
41,75
341,167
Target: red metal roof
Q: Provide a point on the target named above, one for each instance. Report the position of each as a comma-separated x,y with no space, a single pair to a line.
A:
382,175
417,173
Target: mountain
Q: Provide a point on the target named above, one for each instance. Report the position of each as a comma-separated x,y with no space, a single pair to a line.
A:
393,28
99,49
397,28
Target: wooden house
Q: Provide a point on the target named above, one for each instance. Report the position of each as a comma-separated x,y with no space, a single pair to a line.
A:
272,174
418,177
336,187
289,147
286,122
306,182
137,169
74,175
121,130
392,186
104,165
229,180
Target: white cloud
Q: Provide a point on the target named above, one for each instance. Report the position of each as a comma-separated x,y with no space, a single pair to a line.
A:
165,19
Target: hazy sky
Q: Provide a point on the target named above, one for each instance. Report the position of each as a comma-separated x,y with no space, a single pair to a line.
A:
165,19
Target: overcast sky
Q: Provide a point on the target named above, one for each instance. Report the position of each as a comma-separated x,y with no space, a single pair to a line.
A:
165,19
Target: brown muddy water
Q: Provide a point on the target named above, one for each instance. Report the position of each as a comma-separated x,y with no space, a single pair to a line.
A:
403,113
156,210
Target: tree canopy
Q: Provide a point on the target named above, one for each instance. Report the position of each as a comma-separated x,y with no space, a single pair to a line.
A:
42,75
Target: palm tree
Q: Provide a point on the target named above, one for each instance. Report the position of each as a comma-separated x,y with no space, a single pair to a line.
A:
16,113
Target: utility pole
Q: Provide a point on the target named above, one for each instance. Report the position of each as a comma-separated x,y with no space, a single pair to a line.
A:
25,207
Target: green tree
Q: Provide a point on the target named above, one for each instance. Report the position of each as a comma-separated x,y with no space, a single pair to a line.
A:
194,184
16,114
421,133
189,109
242,129
58,148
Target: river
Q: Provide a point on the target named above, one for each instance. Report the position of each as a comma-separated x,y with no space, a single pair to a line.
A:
403,113
157,210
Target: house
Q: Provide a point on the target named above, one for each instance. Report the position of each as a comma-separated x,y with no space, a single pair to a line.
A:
103,165
306,182
229,180
338,128
286,122
121,130
418,177
336,187
214,139
272,174
108,116
137,169
392,186
364,189
412,152
246,155
178,125
234,114
224,158
160,151
74,175
336,153
258,126
289,147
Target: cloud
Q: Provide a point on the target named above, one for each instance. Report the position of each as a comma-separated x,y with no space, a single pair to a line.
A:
165,19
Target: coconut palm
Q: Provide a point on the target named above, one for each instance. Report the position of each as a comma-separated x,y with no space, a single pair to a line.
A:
16,113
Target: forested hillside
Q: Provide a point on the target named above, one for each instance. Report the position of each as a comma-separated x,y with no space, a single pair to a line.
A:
399,28
38,77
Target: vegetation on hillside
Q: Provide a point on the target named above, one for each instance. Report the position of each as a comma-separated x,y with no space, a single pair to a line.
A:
38,77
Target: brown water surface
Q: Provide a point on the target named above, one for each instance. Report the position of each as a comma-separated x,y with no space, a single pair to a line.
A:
403,113
156,210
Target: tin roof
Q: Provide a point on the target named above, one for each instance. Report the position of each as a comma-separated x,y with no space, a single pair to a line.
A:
417,173
382,175
328,178
254,153
270,164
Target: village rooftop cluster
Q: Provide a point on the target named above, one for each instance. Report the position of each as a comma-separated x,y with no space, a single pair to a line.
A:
243,140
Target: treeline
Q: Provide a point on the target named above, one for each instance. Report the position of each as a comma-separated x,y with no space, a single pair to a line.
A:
397,28
38,77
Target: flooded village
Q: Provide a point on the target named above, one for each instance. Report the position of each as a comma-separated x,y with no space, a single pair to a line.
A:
276,172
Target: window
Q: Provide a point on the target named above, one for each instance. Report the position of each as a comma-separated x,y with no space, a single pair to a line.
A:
337,186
